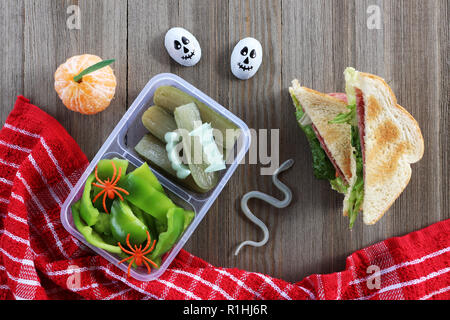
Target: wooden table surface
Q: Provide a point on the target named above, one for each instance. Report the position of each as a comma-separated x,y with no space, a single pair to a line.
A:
310,40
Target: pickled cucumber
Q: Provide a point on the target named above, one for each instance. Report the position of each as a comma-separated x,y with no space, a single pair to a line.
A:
158,122
170,98
188,118
154,152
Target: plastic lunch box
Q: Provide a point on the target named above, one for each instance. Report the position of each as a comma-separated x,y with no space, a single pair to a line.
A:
120,144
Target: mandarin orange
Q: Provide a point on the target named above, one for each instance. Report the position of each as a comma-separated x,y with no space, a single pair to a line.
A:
95,90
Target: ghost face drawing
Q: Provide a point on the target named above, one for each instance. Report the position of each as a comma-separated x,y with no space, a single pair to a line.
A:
182,47
246,58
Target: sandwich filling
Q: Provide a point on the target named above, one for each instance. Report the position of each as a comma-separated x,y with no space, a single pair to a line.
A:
339,173
324,166
355,117
360,109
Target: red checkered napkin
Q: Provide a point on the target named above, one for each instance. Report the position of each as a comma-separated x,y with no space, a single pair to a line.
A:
40,163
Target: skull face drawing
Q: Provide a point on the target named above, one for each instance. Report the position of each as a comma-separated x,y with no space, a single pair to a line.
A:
182,47
246,58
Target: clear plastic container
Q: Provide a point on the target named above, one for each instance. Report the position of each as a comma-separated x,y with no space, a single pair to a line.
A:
120,144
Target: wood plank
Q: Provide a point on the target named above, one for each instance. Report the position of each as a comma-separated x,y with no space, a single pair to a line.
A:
11,54
148,22
48,43
444,100
258,102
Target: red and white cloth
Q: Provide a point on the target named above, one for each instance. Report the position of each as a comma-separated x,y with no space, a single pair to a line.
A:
40,163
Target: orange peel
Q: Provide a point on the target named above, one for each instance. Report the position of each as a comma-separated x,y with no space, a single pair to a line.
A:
95,90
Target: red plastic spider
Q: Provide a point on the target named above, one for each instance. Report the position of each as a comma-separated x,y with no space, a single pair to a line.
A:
109,186
138,254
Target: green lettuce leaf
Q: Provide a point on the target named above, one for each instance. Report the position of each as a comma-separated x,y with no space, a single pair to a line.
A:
339,185
322,167
356,198
349,117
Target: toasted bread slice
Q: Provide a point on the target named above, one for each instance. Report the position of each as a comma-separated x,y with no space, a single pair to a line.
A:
322,108
392,141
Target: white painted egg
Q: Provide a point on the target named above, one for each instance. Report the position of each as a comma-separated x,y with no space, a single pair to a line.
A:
182,46
246,58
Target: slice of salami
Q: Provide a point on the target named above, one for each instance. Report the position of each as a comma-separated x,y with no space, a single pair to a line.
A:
360,109
339,95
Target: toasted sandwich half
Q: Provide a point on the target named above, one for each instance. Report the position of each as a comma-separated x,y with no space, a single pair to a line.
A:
386,140
330,144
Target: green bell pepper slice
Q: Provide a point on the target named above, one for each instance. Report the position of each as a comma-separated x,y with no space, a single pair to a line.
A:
103,224
138,213
89,234
108,238
188,216
144,196
124,222
88,212
105,169
170,232
175,226
146,173
146,219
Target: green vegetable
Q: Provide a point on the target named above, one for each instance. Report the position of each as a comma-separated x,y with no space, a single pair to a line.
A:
175,226
349,117
108,238
188,216
105,169
356,197
188,118
138,213
339,185
170,98
144,196
170,233
90,235
322,166
87,210
160,226
351,79
157,260
146,173
124,222
149,209
158,121
92,68
146,219
154,152
103,224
